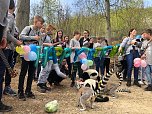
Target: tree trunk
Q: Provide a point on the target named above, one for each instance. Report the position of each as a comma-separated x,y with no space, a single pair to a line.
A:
108,30
23,13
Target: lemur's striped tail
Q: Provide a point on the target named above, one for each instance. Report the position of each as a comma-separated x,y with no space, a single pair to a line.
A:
120,77
102,83
123,90
111,71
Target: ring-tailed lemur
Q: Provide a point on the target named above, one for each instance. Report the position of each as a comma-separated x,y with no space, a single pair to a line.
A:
90,90
85,94
115,87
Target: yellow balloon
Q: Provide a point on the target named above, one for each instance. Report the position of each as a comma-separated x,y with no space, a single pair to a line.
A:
17,49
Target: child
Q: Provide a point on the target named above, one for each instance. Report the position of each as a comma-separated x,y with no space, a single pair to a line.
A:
44,73
53,76
59,37
4,5
9,51
147,54
29,35
97,58
84,41
74,44
66,45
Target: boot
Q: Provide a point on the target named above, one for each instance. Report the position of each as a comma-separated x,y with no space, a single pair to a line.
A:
137,84
128,82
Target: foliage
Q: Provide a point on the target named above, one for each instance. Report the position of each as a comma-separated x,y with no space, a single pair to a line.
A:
90,14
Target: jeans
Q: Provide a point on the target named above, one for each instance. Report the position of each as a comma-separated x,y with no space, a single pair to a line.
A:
44,74
130,58
141,74
26,66
99,65
9,55
148,74
76,67
14,57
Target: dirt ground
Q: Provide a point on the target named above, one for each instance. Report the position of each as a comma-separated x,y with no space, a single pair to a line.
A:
136,102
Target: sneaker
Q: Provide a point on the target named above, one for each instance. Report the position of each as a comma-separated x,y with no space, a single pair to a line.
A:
30,95
46,88
5,108
9,91
140,82
41,88
148,88
72,84
137,84
21,96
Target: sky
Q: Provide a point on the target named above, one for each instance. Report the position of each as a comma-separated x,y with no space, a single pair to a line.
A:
70,2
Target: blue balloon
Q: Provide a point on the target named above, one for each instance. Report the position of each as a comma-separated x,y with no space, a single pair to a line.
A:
33,47
32,56
84,61
52,55
90,54
138,37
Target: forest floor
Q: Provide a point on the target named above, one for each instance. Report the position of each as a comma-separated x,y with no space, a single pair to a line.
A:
136,102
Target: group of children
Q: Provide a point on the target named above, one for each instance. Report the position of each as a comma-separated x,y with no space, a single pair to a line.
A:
54,73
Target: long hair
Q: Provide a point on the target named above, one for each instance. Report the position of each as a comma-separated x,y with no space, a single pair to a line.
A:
130,31
57,36
68,39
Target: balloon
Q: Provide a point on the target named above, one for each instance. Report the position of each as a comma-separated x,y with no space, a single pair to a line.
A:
137,59
82,55
32,56
33,47
68,52
104,51
97,51
89,62
84,61
59,51
19,49
44,56
26,57
38,55
26,49
138,37
65,54
137,64
78,52
52,55
84,67
114,51
90,54
143,63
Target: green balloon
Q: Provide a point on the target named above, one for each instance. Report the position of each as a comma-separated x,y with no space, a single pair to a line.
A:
89,62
